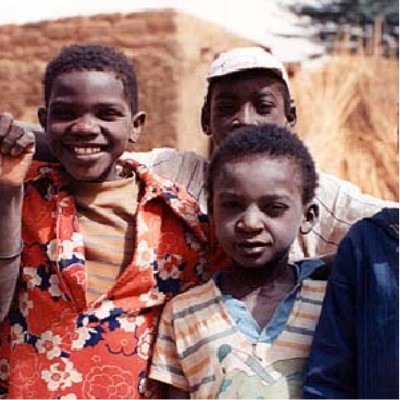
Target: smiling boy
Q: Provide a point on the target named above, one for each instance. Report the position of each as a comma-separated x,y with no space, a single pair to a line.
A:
104,243
90,147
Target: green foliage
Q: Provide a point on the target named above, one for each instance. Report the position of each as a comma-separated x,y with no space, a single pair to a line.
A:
348,11
369,7
353,22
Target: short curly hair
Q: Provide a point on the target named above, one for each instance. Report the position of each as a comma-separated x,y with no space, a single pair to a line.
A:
93,57
269,139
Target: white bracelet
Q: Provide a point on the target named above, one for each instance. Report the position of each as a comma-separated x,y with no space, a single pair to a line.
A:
15,255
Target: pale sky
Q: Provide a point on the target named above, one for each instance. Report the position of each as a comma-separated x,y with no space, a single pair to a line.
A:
259,20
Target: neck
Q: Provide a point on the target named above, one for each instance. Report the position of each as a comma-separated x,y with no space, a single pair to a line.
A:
240,281
269,273
106,177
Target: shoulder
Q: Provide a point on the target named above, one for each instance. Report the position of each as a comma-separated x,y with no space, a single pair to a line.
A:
159,159
383,223
387,218
185,168
334,187
181,205
342,203
193,299
149,158
314,268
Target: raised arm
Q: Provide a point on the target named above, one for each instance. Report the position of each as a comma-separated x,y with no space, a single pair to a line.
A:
16,151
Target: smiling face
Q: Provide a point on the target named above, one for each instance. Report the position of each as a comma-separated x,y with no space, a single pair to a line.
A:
247,98
258,209
89,122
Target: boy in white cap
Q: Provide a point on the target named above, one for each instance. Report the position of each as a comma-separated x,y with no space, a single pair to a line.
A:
246,86
250,86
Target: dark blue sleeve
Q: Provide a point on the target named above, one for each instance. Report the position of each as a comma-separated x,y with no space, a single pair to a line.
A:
331,368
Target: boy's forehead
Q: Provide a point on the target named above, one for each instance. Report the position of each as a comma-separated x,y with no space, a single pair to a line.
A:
249,160
89,75
252,169
88,87
239,83
87,81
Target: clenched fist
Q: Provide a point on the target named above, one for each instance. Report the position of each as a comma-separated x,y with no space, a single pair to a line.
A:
17,146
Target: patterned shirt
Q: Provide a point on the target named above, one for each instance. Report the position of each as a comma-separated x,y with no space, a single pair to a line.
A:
57,344
202,349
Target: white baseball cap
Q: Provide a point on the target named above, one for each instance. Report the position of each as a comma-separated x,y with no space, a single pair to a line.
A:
246,58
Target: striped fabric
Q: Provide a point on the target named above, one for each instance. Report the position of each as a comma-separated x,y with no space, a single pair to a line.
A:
106,219
200,350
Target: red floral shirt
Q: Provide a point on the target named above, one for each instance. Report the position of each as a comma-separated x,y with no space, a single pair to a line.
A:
63,347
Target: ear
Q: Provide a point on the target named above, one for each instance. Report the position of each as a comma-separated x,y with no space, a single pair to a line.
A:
311,214
205,119
42,116
292,117
138,121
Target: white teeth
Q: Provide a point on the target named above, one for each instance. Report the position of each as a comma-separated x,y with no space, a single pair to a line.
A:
86,150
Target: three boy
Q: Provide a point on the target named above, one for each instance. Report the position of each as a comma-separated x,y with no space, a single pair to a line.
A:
250,86
157,269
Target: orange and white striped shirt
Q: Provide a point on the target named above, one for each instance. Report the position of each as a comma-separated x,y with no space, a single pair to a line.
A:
200,349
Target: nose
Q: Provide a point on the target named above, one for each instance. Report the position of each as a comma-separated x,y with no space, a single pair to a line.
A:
251,220
244,116
85,124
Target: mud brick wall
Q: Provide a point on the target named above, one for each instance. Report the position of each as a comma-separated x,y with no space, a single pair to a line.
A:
171,52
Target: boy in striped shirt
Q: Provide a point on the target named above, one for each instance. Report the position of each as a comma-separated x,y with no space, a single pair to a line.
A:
247,332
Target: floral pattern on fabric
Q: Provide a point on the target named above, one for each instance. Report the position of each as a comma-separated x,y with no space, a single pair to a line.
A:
55,344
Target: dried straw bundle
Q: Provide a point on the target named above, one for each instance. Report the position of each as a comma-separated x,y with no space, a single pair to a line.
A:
348,115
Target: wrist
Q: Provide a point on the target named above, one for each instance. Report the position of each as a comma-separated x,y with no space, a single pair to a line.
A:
13,254
11,202
11,191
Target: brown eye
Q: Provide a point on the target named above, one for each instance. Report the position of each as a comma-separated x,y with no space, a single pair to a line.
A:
229,204
276,209
62,113
265,108
225,109
110,114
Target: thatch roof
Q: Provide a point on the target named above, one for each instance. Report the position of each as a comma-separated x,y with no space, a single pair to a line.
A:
348,115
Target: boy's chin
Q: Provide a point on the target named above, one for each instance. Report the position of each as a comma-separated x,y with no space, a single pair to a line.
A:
94,177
